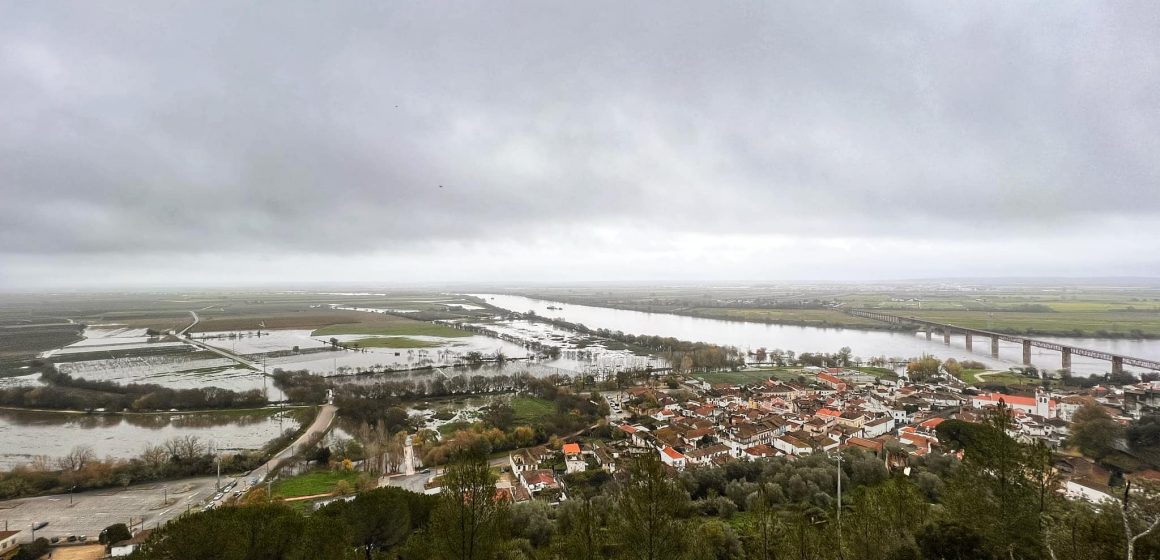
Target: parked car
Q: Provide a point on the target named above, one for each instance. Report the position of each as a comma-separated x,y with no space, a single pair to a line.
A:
39,525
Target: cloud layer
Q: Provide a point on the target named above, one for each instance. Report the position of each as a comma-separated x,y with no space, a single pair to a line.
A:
419,138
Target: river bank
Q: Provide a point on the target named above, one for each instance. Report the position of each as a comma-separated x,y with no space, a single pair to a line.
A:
864,343
1136,324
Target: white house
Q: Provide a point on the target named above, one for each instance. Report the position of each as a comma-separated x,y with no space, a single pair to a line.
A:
878,427
673,458
125,548
7,542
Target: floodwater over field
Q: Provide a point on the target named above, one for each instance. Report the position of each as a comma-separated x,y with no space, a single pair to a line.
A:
26,434
864,343
121,356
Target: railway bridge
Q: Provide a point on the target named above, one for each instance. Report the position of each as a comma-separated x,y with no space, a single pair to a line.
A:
1065,351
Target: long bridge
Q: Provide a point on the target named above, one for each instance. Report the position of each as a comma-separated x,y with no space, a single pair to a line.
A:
1065,351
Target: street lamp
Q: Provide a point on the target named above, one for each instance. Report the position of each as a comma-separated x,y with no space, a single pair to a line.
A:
70,494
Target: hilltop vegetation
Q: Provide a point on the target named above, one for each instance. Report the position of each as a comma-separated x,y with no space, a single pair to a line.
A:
999,502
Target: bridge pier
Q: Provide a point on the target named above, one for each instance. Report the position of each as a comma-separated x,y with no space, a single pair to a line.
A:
928,329
946,337
968,335
1066,358
1117,364
1026,352
994,347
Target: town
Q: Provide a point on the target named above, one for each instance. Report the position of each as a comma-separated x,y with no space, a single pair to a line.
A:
818,411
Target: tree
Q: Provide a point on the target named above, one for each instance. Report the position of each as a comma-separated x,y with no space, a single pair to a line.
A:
843,356
951,541
115,533
466,523
953,368
923,368
377,520
764,536
581,524
646,512
1094,431
1140,514
995,492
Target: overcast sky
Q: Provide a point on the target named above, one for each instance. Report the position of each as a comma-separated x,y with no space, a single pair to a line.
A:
235,143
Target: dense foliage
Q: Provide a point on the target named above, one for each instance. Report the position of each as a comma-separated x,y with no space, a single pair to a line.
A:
999,502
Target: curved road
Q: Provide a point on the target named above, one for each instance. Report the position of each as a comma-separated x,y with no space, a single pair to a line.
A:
321,425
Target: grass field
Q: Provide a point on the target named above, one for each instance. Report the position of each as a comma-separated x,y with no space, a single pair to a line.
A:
805,317
979,376
389,325
309,484
392,342
19,345
1070,323
529,410
878,372
447,430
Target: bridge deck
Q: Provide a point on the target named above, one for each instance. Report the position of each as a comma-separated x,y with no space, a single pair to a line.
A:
1099,354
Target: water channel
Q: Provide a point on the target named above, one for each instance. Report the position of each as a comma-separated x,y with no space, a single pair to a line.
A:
864,343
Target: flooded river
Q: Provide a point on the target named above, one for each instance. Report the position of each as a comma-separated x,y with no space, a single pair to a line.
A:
864,343
26,434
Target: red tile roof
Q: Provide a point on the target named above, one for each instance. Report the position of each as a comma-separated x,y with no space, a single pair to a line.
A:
571,448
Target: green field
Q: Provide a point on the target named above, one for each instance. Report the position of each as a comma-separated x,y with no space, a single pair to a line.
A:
397,327
529,410
309,484
447,430
881,373
994,377
1064,323
803,317
392,342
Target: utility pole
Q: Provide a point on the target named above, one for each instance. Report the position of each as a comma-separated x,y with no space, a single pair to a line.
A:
839,491
219,472
164,495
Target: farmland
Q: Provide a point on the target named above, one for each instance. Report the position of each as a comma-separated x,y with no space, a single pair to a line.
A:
1131,311
392,342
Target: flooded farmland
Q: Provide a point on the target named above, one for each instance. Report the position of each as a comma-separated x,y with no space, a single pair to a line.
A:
27,434
864,343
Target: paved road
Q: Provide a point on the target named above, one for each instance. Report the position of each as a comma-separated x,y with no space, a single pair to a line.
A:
321,425
229,355
196,320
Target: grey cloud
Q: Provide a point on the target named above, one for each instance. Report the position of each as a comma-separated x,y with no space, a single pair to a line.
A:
312,127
